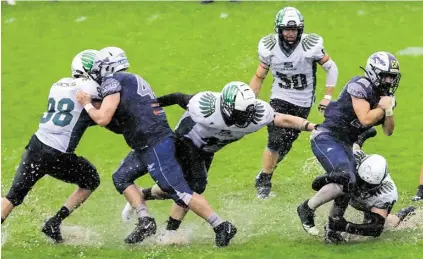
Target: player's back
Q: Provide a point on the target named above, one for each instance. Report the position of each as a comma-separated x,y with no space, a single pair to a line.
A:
340,117
65,121
143,122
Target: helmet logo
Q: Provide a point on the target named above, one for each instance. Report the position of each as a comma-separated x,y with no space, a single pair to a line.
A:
378,60
394,64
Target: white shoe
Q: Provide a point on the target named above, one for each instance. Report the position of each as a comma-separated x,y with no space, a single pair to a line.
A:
127,213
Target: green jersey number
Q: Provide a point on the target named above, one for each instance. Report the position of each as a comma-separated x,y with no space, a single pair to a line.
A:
61,114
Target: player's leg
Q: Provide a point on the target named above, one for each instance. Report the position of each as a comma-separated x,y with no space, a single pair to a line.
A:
279,144
419,194
75,170
338,209
28,173
169,176
339,164
131,168
370,133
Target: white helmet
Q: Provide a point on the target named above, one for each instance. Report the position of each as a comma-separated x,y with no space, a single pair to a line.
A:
380,65
372,171
238,104
107,62
289,18
82,63
120,55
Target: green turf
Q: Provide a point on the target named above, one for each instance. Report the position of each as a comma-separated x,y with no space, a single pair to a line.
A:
186,46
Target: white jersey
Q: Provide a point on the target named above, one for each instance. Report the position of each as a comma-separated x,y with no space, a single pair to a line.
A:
65,121
384,197
294,75
204,125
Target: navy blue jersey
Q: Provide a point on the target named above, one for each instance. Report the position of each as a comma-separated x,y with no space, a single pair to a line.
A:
138,116
340,117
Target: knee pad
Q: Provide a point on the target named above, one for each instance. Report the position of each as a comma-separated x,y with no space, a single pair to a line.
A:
120,182
91,182
198,185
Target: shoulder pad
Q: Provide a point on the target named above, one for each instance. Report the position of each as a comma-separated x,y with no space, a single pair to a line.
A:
89,86
202,105
266,45
264,113
312,44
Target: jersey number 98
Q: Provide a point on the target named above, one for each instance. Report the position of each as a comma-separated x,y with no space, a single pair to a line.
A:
61,114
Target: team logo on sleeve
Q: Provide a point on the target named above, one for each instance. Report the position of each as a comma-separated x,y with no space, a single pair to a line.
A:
310,41
207,104
269,41
258,115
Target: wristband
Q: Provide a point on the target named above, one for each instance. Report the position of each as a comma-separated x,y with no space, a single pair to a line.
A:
88,107
328,97
389,112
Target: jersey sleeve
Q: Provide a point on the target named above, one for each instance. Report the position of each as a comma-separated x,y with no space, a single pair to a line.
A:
201,106
313,46
357,90
265,47
109,86
388,196
265,114
359,155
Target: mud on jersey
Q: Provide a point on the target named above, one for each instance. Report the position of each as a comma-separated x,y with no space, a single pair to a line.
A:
294,75
65,121
204,125
384,197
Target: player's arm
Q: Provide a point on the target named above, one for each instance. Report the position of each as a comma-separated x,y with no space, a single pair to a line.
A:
289,121
258,78
331,74
373,228
110,89
175,98
389,122
365,115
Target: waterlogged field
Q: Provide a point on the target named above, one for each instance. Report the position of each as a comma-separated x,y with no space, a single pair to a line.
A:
189,47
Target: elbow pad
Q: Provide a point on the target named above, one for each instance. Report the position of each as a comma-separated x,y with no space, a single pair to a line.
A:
331,72
374,228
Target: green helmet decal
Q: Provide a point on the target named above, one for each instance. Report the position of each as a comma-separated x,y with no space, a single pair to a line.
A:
228,94
87,59
279,16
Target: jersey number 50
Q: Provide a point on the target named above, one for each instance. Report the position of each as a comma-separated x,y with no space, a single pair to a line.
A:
62,113
297,82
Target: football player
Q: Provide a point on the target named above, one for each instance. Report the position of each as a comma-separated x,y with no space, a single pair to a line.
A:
212,121
292,57
130,101
364,102
51,149
375,196
419,194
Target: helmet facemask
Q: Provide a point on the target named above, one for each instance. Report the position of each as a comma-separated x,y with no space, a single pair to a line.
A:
387,88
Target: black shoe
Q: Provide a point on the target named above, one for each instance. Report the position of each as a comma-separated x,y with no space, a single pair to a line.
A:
224,233
52,229
146,227
370,133
419,194
333,237
263,185
307,218
403,213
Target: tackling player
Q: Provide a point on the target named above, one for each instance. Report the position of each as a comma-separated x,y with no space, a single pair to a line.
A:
375,196
292,57
365,101
130,101
212,121
51,149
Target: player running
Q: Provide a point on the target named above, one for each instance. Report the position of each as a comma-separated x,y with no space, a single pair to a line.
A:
292,57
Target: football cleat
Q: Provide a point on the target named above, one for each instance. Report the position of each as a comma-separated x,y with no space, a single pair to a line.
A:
224,233
306,216
146,227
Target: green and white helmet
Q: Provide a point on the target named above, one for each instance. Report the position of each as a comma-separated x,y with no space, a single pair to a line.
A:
238,104
289,18
82,63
